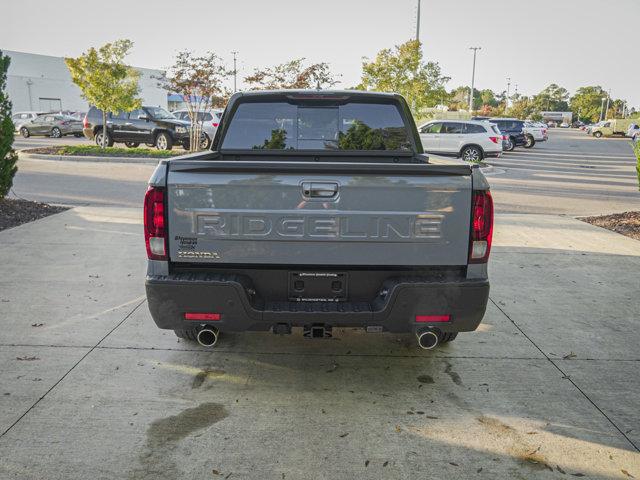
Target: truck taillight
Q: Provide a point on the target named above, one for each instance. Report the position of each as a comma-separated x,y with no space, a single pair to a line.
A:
85,121
155,233
481,227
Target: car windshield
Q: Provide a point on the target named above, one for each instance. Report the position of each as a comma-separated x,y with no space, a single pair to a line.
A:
285,126
159,113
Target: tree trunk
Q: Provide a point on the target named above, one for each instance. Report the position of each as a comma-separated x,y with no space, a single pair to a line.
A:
104,129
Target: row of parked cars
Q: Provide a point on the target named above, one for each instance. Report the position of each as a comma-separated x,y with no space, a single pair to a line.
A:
50,124
625,127
153,126
480,138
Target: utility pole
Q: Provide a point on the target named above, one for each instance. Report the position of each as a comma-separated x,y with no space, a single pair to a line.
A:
235,72
602,108
607,109
418,22
508,90
473,77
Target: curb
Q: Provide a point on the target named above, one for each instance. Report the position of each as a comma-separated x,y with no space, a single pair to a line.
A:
89,159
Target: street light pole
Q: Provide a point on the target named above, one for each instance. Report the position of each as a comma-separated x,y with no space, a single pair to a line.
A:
508,91
602,108
607,109
418,22
235,72
473,76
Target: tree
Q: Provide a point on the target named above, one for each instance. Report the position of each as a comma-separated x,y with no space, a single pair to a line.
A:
553,98
8,156
403,70
587,102
105,81
292,75
523,108
200,82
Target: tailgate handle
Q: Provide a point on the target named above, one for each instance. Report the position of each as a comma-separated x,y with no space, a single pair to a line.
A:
319,190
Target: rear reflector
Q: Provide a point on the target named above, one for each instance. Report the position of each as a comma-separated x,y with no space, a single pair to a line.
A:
481,227
433,318
215,124
202,316
494,139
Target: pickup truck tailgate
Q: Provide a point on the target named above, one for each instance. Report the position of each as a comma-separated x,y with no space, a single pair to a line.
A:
289,213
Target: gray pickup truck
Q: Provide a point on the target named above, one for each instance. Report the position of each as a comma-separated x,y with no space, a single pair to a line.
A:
317,209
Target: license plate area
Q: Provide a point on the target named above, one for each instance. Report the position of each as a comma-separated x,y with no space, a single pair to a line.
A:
317,286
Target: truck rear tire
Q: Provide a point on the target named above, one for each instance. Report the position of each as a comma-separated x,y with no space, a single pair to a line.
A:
448,337
597,134
190,334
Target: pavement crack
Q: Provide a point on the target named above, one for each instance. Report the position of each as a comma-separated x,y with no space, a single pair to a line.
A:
72,368
566,376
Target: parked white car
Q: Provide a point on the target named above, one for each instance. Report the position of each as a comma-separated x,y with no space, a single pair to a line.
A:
20,118
209,120
634,132
534,132
471,140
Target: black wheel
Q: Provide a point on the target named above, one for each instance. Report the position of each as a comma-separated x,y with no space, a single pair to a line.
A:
472,154
24,131
132,144
56,133
597,134
511,144
164,141
190,334
448,337
98,139
529,141
204,142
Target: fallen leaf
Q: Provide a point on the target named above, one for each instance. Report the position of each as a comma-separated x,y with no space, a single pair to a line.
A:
385,464
37,324
432,417
480,469
420,412
627,473
454,464
27,359
569,355
532,433
398,429
215,472
344,435
560,470
366,463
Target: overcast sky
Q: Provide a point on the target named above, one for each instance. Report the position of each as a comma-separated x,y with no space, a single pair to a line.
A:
535,42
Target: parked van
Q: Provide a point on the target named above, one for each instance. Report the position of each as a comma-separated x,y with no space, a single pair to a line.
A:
616,126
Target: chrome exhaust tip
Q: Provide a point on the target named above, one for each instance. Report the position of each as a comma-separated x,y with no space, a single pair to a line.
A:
428,339
208,337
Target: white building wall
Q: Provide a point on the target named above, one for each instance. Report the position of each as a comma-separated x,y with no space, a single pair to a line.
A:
43,83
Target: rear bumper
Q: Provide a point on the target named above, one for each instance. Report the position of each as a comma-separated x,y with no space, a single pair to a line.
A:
231,296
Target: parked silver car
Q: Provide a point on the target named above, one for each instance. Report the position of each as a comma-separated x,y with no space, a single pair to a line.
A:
52,125
209,121
20,118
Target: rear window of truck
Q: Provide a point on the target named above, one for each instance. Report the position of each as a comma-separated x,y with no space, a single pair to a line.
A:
286,126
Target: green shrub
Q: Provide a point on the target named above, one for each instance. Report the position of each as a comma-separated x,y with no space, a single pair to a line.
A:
8,156
96,151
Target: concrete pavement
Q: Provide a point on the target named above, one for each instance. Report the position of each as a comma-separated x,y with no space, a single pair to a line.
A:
546,388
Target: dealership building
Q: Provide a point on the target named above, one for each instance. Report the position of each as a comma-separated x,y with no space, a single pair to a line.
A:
558,117
43,83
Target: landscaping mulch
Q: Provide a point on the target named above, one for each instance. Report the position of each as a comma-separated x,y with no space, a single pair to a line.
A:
14,212
627,223
95,151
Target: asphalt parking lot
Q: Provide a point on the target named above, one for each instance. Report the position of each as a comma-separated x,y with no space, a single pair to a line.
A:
548,387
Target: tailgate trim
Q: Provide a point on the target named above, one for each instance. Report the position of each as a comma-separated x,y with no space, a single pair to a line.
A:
206,166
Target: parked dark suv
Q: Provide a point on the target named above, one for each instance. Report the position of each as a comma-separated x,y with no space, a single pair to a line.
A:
513,130
151,125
